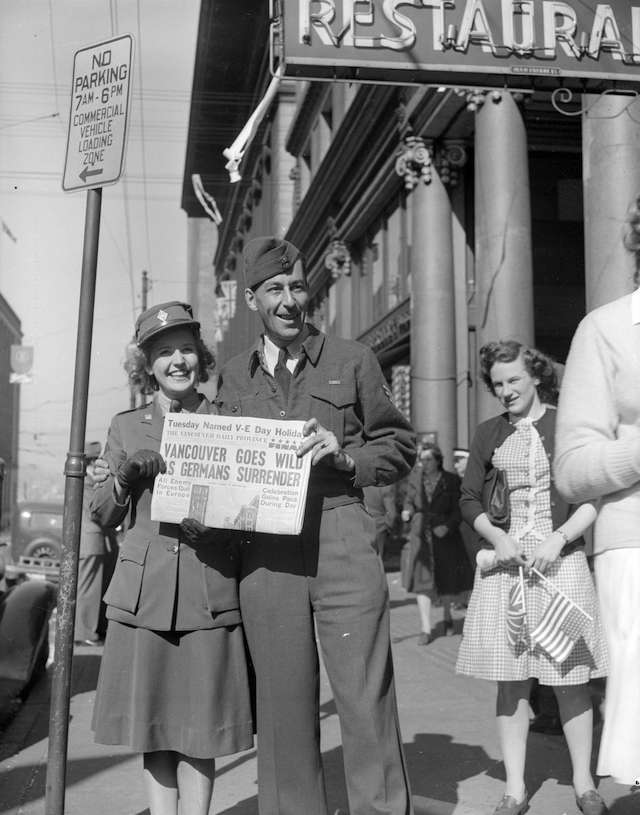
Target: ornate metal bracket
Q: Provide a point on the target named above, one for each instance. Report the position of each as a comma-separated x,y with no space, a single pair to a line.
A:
476,97
564,96
414,161
338,258
449,159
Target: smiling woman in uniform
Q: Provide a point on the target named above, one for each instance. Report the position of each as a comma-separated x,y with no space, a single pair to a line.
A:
173,681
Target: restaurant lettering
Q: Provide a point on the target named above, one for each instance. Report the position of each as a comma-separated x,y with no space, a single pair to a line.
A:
543,29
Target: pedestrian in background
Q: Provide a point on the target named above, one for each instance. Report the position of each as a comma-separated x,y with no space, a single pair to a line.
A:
471,539
329,579
509,601
173,680
598,457
96,561
437,565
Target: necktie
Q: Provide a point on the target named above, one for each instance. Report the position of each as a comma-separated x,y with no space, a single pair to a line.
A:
281,373
175,406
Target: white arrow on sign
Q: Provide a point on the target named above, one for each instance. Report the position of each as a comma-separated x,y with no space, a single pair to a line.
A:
98,117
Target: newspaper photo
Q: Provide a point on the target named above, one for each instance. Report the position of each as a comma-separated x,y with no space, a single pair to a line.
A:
238,473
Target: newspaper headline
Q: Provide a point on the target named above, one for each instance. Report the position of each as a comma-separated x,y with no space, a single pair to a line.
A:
232,473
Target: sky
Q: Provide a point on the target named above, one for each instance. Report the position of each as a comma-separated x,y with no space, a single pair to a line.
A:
142,226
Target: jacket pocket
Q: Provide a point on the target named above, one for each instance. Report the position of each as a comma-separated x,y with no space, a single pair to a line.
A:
221,592
126,583
329,404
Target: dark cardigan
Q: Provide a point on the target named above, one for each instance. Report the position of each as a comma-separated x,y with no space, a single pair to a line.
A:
489,436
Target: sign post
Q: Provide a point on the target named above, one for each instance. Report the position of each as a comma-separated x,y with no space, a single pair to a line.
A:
100,100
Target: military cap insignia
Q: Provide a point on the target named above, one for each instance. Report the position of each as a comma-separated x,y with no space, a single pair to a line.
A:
285,262
162,316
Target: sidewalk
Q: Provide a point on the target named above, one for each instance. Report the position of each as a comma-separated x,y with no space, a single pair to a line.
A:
447,724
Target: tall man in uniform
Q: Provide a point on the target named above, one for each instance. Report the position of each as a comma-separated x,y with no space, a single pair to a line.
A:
330,575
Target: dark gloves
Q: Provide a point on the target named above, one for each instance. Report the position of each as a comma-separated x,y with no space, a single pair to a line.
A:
142,464
196,534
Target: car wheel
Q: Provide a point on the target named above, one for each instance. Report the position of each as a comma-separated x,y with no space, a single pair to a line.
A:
44,549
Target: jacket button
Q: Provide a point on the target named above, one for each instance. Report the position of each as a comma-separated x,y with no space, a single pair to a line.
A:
175,548
234,409
283,412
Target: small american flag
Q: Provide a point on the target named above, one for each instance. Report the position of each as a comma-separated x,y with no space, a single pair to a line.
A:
516,614
561,625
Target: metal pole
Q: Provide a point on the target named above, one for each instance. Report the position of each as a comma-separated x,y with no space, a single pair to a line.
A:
74,485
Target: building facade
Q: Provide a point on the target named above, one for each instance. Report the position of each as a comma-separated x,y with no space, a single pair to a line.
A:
10,334
431,219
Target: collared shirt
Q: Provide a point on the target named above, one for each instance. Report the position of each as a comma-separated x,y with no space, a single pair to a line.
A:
294,351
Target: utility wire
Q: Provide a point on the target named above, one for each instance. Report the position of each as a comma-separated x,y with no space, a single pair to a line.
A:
28,121
144,160
54,71
113,11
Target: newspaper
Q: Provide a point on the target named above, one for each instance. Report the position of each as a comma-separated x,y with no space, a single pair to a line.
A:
232,473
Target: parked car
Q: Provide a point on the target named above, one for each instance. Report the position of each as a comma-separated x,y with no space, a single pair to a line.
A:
26,607
36,530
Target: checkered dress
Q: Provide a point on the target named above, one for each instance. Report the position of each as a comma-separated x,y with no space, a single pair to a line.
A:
485,651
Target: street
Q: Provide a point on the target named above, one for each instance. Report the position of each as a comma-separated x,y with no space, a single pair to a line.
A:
447,723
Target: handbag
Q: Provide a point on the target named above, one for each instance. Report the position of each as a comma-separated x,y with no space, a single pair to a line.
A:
495,497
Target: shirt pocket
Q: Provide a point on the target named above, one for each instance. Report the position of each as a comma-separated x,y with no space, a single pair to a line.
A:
126,584
330,404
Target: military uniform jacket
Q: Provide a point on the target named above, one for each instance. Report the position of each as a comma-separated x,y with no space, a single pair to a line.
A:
161,582
338,382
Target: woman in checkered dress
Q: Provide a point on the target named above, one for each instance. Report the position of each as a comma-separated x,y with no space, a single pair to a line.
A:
509,599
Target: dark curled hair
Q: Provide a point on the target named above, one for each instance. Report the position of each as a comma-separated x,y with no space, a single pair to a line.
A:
537,364
631,237
436,452
136,361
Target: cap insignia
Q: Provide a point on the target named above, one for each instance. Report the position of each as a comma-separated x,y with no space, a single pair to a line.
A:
162,316
285,262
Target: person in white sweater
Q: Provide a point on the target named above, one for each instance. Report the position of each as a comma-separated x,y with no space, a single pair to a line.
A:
598,457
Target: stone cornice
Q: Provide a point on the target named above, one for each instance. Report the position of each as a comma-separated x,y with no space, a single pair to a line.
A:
346,147
366,183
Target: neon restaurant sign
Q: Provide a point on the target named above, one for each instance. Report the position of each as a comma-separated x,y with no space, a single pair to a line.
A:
515,43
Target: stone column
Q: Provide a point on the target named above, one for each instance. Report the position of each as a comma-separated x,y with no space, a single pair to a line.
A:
611,181
433,340
504,273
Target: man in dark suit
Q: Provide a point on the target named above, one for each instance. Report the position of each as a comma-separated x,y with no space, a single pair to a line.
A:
330,578
96,562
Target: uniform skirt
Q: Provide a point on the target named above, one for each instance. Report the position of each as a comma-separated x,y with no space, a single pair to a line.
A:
185,691
618,581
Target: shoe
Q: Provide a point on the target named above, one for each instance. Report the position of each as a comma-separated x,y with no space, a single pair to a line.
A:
425,639
591,803
92,643
509,806
543,723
